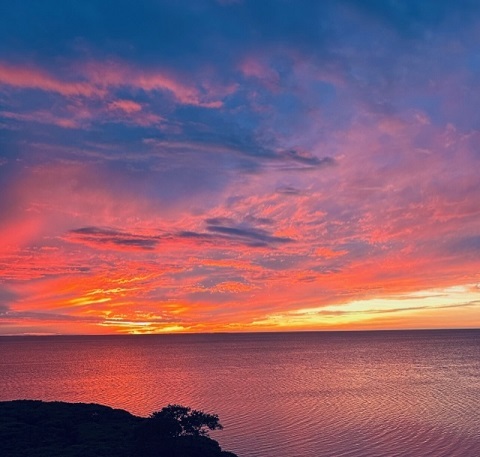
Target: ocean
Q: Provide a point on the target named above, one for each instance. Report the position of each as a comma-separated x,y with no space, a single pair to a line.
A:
312,394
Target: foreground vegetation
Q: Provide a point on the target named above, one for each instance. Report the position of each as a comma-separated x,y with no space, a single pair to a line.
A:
31,428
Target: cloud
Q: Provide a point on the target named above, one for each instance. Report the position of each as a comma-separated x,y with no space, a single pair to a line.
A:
119,74
43,117
257,236
305,158
112,239
46,317
288,190
161,161
474,303
128,106
4,309
97,79
221,230
327,253
219,221
466,244
22,77
239,153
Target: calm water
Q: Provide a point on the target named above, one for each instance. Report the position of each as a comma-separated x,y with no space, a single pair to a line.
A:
279,395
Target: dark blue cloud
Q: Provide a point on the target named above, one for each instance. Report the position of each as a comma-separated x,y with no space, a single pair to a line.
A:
6,298
288,190
104,237
468,245
223,230
257,235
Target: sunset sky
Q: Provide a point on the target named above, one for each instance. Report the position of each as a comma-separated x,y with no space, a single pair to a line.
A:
257,165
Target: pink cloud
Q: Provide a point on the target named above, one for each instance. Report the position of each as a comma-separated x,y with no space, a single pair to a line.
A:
359,232
35,78
128,106
130,112
258,68
117,74
43,117
80,114
98,78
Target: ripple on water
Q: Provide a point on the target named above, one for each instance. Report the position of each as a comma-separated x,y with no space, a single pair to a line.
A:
404,394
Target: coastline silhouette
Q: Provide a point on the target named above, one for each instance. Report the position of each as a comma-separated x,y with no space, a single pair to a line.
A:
33,428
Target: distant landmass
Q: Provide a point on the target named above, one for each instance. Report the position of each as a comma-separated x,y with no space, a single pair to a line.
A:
33,428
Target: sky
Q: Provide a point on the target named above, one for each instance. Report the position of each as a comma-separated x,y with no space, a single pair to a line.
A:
230,166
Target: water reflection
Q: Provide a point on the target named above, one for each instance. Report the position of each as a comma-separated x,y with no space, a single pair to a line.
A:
286,395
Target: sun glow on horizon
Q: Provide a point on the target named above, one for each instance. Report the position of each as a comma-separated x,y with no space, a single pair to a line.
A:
418,308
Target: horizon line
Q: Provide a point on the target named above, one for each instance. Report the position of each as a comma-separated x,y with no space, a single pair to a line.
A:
240,333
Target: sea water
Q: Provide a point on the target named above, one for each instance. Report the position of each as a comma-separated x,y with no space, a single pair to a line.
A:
335,394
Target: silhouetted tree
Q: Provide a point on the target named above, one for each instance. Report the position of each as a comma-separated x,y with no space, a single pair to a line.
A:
178,420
